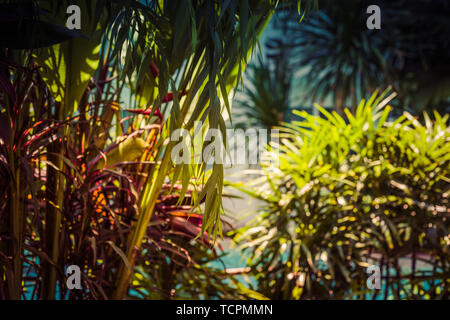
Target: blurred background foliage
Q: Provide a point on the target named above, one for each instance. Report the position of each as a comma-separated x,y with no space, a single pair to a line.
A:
266,97
336,60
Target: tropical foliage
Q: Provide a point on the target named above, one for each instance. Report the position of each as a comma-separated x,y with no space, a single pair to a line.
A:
350,192
87,177
337,57
265,99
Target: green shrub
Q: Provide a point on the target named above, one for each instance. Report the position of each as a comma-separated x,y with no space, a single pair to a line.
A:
348,193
